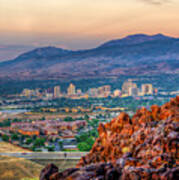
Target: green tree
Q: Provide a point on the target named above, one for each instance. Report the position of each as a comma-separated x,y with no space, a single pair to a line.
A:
90,141
29,141
85,142
43,118
5,137
82,137
68,118
60,145
83,146
14,137
39,142
94,123
94,133
86,117
51,148
5,123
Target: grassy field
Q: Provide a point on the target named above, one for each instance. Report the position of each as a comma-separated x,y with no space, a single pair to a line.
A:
17,168
7,147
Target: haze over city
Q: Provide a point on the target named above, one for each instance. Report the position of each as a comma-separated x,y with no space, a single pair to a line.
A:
79,24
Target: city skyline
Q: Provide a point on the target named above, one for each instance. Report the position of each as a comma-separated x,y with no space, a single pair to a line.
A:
129,88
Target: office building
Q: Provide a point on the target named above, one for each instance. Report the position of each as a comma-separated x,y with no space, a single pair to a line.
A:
56,92
133,91
147,89
127,85
71,90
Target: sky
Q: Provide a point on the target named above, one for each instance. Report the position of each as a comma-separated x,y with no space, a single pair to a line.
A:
81,24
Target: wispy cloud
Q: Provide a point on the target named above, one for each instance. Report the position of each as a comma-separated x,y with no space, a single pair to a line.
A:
156,2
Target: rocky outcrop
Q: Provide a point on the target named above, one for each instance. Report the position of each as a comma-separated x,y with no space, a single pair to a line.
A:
48,171
145,146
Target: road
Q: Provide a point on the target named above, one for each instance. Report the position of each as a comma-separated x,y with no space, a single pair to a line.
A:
46,155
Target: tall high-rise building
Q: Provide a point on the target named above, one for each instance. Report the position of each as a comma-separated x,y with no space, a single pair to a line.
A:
127,85
133,91
104,91
56,92
147,89
71,90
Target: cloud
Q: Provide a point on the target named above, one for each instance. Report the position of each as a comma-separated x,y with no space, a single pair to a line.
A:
156,2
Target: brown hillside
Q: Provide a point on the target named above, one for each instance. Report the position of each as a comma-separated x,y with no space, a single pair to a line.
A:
7,147
12,168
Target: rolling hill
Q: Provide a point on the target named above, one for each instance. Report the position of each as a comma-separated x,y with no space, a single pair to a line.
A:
7,147
138,54
12,168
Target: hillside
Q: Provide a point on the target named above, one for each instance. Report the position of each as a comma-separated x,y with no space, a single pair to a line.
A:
144,146
7,147
12,168
134,55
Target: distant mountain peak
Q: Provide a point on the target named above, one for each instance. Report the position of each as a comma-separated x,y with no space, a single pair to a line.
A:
135,36
48,48
135,39
146,35
160,35
43,52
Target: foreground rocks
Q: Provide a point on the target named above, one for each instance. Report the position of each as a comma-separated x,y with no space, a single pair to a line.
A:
145,146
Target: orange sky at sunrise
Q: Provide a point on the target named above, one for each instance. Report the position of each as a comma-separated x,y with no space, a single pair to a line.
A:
84,23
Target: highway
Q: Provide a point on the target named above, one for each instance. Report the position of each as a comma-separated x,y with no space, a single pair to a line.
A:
46,155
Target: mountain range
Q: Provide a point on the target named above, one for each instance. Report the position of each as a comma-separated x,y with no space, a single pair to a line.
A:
137,54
